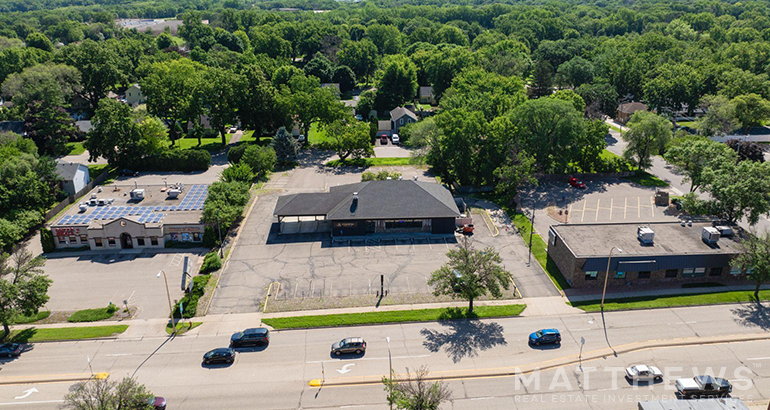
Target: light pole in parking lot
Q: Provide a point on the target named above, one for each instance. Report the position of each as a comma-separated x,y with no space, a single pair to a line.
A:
170,307
390,364
607,273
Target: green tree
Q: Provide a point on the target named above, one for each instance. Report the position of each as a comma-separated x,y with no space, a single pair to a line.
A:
50,127
451,35
398,83
387,38
692,159
754,259
648,135
240,172
470,273
360,56
259,109
576,72
345,77
719,118
23,286
307,102
39,40
414,392
349,139
106,394
542,79
444,64
172,90
55,85
751,110
738,190
477,90
220,91
99,65
601,99
286,147
517,170
261,160
321,67
225,202
572,97
164,41
673,86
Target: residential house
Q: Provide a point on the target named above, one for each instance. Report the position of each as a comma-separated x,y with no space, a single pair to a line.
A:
626,110
426,95
74,176
134,95
401,116
384,127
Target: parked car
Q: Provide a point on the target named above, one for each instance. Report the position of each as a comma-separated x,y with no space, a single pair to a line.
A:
703,386
301,138
396,139
545,336
233,130
158,403
355,345
644,373
128,173
220,355
576,183
251,337
359,117
383,140
10,350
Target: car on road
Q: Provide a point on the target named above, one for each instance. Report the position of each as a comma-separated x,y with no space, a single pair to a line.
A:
251,337
396,139
158,403
703,386
576,183
220,355
10,350
383,140
355,345
545,336
644,373
129,173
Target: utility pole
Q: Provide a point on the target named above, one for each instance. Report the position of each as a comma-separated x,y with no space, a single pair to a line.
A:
170,307
531,232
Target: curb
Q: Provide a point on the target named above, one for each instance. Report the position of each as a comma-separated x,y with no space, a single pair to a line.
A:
663,307
549,364
71,377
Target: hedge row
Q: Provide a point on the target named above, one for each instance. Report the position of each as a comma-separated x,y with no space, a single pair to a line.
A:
190,300
187,160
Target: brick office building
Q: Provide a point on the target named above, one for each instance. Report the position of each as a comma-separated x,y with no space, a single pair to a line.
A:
672,253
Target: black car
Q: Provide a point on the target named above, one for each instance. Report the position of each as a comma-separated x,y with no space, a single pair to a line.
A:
10,350
355,345
221,355
251,337
129,173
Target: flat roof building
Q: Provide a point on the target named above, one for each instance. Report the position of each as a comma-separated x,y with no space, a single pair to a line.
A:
391,206
131,216
652,252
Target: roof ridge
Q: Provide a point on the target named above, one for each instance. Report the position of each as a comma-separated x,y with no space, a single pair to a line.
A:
431,195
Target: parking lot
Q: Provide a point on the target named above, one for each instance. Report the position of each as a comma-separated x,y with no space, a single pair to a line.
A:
608,209
309,266
95,279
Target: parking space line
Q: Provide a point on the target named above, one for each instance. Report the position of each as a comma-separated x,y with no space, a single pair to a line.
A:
652,207
612,201
639,207
583,215
625,207
598,202
569,212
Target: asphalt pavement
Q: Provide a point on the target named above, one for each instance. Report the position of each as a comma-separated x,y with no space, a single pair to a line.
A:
277,377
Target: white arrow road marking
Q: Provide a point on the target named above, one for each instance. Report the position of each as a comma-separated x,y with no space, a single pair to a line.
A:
26,394
345,368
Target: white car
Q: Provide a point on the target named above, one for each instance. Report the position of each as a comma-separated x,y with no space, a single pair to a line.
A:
643,373
396,140
233,130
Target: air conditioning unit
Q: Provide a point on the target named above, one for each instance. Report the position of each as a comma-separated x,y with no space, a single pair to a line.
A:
710,235
645,235
173,193
137,194
724,230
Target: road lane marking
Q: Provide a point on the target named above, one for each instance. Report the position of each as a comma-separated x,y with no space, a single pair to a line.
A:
652,207
638,207
625,208
119,354
368,358
612,201
345,368
583,214
569,212
598,204
482,398
32,402
27,393
759,358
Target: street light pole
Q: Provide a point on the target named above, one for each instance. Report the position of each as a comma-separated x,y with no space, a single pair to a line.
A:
170,307
219,231
607,274
531,232
390,364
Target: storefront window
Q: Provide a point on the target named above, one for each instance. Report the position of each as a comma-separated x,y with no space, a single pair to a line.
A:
405,224
62,240
73,239
591,275
715,272
620,275
83,238
672,273
693,272
154,241
111,241
644,275
98,242
139,241
196,236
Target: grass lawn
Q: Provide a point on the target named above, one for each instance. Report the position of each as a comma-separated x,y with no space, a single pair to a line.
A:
182,327
22,320
612,127
316,134
691,124
647,179
397,316
539,251
32,335
207,143
248,136
96,170
75,148
650,302
372,162
92,315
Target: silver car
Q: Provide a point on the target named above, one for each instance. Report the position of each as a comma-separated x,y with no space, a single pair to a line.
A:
644,373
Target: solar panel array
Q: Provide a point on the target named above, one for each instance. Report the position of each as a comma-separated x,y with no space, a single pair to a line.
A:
193,201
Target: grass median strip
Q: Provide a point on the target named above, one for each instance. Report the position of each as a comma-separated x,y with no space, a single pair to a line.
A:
93,315
652,302
395,316
33,335
182,327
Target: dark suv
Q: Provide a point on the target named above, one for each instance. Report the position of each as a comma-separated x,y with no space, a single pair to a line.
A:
355,345
251,337
545,336
221,355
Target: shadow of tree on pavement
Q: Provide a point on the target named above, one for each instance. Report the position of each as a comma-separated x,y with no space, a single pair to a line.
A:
464,338
753,315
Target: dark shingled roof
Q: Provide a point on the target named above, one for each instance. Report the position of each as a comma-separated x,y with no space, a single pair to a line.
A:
66,170
390,199
16,127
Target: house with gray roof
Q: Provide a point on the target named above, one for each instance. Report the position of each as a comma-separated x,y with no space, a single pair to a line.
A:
391,206
401,116
74,176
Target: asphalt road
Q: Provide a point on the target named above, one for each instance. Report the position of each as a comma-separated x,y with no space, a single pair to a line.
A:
277,377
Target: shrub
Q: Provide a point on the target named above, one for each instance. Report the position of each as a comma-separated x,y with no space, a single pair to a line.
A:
46,239
209,237
368,176
225,203
238,173
235,153
286,147
190,300
262,160
176,160
211,262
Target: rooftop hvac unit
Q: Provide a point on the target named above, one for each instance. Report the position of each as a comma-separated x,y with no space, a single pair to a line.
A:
137,194
173,193
645,235
710,235
83,206
724,230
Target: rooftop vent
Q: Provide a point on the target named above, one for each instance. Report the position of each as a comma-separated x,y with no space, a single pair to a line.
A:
724,230
645,235
710,235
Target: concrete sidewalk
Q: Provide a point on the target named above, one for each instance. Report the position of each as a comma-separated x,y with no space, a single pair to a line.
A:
581,295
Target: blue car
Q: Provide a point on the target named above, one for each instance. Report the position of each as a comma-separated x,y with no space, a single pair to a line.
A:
545,336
